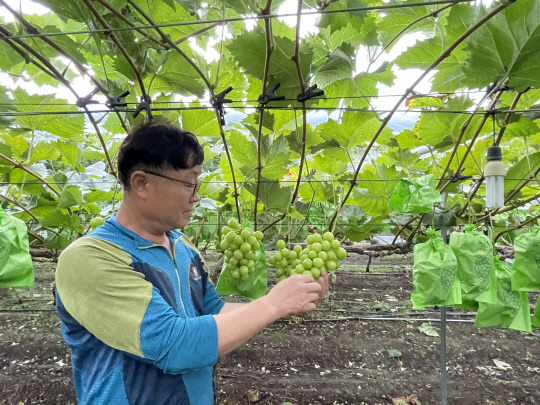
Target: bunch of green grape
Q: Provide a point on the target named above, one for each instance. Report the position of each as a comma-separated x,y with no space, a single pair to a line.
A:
322,254
239,246
285,260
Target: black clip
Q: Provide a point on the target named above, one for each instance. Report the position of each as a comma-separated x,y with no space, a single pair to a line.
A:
459,177
310,92
144,105
270,95
84,101
117,101
218,100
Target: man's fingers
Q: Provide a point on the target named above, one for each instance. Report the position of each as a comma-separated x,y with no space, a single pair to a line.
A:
313,297
309,307
313,287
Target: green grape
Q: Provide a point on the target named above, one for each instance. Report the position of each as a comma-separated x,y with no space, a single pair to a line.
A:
251,264
307,264
224,244
243,270
230,237
233,261
317,238
326,246
235,273
331,265
233,224
280,272
307,272
315,272
245,247
328,236
286,253
225,230
341,253
95,222
238,240
233,246
323,255
312,254
299,267
278,256
318,262
249,255
229,253
254,242
258,234
284,262
243,262
293,255
317,247
297,249
331,255
246,233
335,244
280,244
272,260
238,255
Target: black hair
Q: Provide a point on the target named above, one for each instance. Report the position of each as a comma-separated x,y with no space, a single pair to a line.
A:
156,145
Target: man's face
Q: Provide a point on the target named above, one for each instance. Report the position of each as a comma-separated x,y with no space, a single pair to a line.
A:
172,199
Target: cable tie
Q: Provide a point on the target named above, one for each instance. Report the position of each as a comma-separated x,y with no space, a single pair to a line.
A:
309,93
217,102
144,105
459,176
84,101
270,95
117,101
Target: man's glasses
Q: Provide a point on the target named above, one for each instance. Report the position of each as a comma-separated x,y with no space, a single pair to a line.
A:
195,186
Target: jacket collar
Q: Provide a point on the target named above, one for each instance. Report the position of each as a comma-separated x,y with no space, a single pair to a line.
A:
139,241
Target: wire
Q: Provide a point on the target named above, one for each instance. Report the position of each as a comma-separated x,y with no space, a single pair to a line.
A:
4,183
244,101
236,19
291,108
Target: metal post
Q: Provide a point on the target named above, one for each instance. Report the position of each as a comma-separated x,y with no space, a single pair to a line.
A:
444,375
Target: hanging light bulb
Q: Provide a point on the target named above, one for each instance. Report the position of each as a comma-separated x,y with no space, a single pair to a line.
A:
494,173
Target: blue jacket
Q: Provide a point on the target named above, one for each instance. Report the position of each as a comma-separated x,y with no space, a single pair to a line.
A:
138,320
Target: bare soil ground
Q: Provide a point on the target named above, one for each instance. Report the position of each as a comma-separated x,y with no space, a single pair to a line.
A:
363,345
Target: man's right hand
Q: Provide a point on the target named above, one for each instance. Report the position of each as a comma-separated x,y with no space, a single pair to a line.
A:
294,295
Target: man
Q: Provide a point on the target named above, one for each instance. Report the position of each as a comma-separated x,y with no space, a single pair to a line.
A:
144,323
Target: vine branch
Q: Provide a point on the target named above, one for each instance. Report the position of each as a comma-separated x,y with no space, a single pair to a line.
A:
119,45
58,76
32,173
443,56
269,50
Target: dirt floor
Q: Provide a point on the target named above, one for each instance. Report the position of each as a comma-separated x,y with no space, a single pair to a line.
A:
364,345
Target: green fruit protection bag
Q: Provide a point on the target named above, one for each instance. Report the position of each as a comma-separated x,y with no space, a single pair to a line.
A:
474,252
511,309
526,266
435,274
16,268
254,287
411,196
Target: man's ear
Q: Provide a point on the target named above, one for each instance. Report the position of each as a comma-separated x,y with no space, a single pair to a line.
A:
139,183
